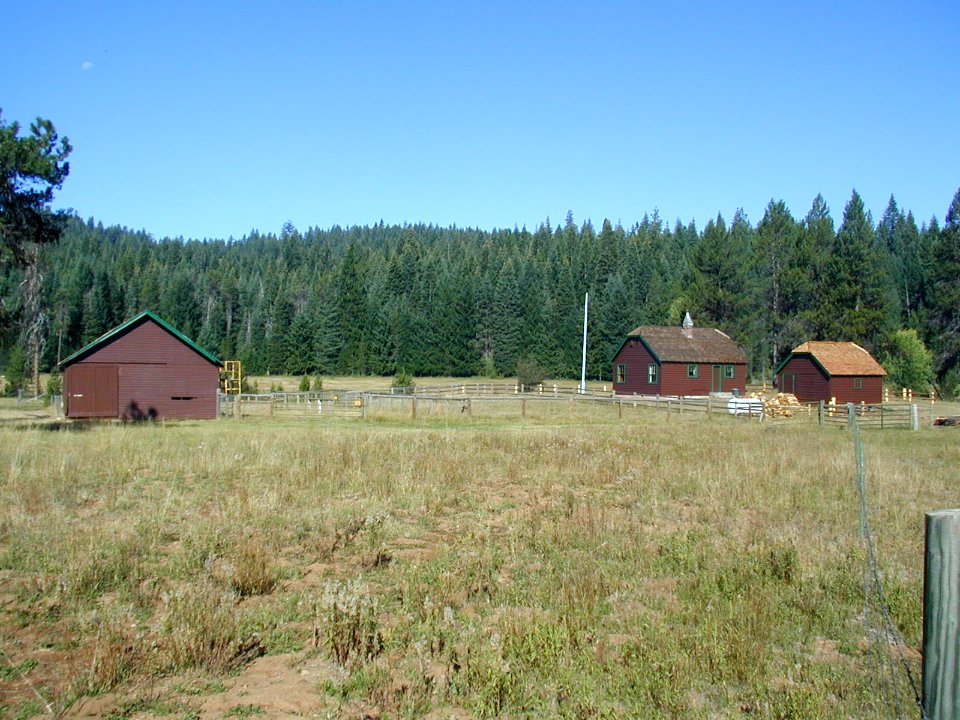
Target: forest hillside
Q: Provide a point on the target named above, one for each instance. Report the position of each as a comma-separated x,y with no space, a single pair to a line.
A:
428,300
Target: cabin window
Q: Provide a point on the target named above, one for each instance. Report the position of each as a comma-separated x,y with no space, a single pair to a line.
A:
621,373
653,374
858,383
693,371
728,371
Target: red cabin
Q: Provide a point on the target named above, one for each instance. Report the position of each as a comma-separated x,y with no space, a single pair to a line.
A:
656,360
142,369
818,370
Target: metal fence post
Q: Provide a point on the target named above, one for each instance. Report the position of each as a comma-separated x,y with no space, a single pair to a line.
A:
941,615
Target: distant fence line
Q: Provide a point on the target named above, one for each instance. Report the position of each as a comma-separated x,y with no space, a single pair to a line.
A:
465,400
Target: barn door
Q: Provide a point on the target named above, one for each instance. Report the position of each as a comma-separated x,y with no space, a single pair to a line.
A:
92,391
788,383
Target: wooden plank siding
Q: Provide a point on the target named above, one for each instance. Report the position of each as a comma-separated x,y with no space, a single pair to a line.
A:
809,384
672,376
636,359
676,382
842,388
156,375
804,378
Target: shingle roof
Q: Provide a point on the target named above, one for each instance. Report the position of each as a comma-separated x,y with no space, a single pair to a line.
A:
705,345
145,315
839,358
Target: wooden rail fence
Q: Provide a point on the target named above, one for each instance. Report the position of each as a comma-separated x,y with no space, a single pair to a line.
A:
477,399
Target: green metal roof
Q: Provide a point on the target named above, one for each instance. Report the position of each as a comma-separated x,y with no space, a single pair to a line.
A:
120,329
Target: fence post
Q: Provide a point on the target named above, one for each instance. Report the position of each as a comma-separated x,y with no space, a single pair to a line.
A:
620,409
237,411
681,405
820,413
709,408
469,408
915,417
413,408
363,407
941,615
852,415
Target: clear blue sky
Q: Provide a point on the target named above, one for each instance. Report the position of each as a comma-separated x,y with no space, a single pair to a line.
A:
207,120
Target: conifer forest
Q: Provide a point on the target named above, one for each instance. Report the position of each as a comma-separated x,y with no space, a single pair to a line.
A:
435,301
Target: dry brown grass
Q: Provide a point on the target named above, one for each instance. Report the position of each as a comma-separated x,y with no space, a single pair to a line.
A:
568,564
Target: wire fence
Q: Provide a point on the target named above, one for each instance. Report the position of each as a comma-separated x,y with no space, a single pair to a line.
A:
887,650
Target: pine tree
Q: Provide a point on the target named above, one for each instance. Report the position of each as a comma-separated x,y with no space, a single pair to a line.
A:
817,238
858,282
508,321
352,315
98,318
279,340
719,262
945,293
781,282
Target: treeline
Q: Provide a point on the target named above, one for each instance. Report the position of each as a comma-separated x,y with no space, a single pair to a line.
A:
427,300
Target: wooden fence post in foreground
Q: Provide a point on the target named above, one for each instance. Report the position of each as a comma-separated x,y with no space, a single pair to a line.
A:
941,615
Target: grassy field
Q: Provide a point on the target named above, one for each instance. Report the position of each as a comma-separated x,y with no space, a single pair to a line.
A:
567,564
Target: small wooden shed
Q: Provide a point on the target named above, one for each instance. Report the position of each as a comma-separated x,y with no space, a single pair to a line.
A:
687,360
142,369
821,370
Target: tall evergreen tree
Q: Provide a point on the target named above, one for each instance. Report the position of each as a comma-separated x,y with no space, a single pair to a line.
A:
508,321
780,280
945,292
817,238
858,293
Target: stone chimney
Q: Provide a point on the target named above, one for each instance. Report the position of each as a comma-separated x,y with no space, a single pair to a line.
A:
688,326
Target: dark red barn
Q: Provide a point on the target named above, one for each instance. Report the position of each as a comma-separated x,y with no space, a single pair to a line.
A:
818,370
656,360
141,369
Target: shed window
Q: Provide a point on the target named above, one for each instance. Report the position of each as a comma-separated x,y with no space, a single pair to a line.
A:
858,383
693,371
728,371
621,373
653,374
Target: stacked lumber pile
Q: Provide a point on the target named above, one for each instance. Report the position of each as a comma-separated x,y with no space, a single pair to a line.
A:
781,405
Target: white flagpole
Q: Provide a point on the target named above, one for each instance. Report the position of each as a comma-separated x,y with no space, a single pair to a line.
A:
583,364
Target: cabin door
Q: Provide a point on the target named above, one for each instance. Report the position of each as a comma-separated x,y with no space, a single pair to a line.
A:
716,384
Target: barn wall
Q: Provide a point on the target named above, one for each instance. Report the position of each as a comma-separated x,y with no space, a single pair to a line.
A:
146,343
636,357
811,383
156,375
673,376
842,389
168,391
676,382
